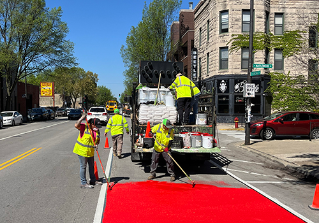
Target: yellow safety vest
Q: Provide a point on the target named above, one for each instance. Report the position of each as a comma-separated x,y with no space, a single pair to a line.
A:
195,90
115,124
84,145
183,86
162,137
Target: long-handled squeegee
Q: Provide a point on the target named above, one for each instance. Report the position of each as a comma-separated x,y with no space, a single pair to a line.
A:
193,182
107,180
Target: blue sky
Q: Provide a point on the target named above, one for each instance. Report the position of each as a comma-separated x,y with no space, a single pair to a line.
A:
98,29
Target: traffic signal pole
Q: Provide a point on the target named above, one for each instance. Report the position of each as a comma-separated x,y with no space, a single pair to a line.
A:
250,65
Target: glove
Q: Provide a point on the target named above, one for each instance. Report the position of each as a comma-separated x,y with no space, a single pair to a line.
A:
105,134
127,132
166,149
95,147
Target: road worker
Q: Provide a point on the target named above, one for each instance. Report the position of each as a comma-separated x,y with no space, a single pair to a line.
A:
183,86
116,124
194,102
84,148
164,135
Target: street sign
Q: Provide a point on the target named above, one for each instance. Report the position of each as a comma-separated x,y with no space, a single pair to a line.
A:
262,65
249,90
254,73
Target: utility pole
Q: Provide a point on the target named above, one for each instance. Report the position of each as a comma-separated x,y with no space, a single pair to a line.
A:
250,65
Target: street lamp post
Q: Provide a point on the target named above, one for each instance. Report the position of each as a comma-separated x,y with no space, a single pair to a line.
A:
250,65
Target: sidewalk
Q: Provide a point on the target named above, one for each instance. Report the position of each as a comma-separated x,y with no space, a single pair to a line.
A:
299,155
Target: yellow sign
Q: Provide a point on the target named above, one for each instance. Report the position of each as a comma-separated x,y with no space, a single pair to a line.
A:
47,89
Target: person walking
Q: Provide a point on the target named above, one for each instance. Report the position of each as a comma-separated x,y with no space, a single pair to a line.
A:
116,124
84,148
183,86
164,135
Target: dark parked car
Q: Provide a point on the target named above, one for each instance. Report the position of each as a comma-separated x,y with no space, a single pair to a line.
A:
39,114
75,114
51,113
61,112
294,123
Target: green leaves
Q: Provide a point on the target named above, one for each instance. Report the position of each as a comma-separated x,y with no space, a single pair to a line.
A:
150,39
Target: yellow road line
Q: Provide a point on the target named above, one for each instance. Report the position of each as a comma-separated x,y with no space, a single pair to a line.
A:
31,151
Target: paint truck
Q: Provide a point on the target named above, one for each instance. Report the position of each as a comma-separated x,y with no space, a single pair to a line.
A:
151,102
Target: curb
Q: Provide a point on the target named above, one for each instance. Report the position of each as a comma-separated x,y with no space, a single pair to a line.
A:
286,165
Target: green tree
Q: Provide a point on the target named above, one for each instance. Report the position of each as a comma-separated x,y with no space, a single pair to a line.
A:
104,95
76,83
32,39
150,39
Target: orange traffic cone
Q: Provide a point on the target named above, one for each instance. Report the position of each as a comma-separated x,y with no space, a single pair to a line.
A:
106,146
148,129
315,203
95,172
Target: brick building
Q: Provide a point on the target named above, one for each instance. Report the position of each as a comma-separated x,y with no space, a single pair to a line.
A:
224,72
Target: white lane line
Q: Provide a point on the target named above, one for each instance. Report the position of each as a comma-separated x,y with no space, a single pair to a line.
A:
265,182
98,217
32,131
258,174
264,194
244,161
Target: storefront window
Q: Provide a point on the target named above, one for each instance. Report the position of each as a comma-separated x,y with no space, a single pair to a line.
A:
223,104
239,104
257,104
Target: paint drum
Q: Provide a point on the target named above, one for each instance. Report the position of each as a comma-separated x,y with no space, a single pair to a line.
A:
207,140
187,140
196,140
152,94
201,119
142,95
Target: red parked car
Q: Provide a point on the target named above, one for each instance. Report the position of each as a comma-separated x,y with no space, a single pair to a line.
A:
295,123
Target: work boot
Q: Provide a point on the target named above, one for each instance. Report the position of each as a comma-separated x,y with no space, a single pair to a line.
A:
172,178
114,154
87,186
119,156
96,183
151,177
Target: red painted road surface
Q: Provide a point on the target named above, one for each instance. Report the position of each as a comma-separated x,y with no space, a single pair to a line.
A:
154,201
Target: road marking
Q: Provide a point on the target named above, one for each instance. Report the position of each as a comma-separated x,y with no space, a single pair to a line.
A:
263,193
243,161
32,130
98,217
14,160
265,182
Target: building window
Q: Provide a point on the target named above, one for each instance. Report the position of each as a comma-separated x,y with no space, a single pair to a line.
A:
313,36
239,104
223,58
267,23
245,20
207,68
223,18
279,23
200,36
223,104
207,31
200,68
256,109
312,71
244,58
279,60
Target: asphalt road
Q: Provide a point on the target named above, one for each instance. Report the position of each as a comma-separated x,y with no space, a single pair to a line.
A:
42,183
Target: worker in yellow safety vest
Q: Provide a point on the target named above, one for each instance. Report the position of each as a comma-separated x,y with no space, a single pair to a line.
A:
194,102
116,124
84,148
183,86
164,135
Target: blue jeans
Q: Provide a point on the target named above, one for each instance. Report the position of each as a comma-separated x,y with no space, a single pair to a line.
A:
83,162
194,104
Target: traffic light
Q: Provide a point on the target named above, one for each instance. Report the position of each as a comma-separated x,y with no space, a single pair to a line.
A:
150,71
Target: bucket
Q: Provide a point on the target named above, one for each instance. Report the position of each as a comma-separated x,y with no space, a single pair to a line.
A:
152,94
186,139
143,95
201,119
207,140
196,140
169,100
182,134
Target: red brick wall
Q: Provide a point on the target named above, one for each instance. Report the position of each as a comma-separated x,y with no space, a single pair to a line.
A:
33,97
